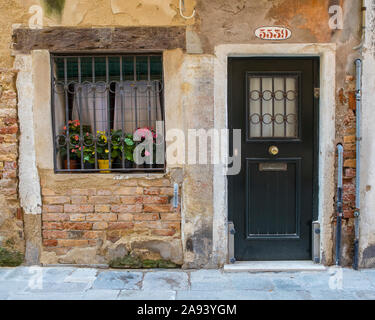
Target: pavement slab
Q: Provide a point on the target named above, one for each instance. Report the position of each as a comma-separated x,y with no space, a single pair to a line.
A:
147,295
118,280
164,280
69,283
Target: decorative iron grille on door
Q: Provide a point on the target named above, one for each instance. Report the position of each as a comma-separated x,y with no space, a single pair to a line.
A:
98,103
273,106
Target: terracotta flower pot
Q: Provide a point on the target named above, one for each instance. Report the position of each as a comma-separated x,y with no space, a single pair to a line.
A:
74,164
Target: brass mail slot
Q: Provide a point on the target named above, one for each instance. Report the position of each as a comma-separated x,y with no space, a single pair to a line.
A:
273,166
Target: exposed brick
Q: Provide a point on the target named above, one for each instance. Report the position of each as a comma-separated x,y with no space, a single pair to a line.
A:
131,200
72,208
163,232
157,208
155,200
146,217
349,154
350,173
167,191
348,197
148,224
154,183
127,208
78,226
54,234
125,217
349,188
77,217
170,216
101,217
152,191
100,226
9,129
56,200
55,217
104,199
50,243
73,243
53,226
350,147
349,139
102,208
48,192
10,165
120,225
93,243
83,192
104,192
350,163
93,235
53,209
348,214
128,191
75,234
79,199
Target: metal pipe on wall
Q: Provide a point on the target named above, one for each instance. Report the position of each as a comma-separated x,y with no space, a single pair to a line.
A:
357,212
340,151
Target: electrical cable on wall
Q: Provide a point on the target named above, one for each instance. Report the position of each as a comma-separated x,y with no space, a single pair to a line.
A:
182,7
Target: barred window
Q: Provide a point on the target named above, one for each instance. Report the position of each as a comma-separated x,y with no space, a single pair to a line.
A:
98,104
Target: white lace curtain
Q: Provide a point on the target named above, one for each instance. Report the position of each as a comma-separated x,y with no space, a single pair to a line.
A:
137,104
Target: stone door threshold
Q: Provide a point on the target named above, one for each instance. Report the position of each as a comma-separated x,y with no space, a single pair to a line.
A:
273,266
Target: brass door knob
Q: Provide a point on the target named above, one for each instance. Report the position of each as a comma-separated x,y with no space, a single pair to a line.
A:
273,150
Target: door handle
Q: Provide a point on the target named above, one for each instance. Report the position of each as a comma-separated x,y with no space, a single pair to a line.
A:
273,150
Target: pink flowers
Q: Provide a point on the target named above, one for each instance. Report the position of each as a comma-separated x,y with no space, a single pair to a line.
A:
147,154
144,132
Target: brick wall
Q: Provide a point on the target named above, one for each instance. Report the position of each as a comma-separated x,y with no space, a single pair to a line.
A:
11,225
347,132
94,217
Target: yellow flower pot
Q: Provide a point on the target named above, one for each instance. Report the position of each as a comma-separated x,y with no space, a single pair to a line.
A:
104,164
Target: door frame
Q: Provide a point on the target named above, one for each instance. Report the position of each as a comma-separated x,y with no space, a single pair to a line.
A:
325,163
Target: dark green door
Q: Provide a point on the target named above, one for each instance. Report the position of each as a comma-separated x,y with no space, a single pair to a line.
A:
271,199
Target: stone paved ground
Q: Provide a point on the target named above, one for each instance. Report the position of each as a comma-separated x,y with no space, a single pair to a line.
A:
62,283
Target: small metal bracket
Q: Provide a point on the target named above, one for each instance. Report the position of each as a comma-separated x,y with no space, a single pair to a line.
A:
316,241
175,196
317,93
358,95
231,233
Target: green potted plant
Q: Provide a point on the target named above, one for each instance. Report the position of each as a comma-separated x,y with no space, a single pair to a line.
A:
119,149
102,151
74,127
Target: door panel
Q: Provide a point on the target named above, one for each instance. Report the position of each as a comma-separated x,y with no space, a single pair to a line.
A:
271,199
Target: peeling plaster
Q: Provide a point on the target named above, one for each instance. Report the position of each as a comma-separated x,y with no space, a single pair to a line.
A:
29,186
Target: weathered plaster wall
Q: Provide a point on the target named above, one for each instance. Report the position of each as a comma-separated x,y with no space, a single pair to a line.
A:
11,224
190,79
367,217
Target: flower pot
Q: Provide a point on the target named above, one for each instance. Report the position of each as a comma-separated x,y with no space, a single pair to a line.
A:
117,164
74,164
104,164
89,166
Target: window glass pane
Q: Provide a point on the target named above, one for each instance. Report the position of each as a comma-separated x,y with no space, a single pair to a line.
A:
142,68
273,106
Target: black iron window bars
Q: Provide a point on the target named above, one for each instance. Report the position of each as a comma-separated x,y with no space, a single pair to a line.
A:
98,103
